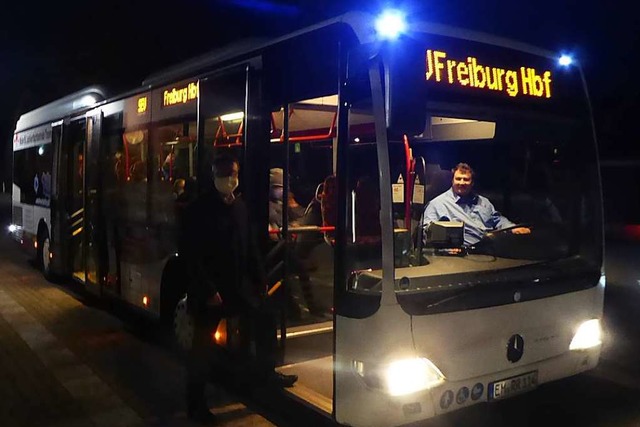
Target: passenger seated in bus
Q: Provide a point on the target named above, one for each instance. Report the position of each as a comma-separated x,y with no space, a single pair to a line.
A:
275,257
226,278
462,203
169,168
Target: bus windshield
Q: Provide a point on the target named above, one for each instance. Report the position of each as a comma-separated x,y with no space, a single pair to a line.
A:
529,211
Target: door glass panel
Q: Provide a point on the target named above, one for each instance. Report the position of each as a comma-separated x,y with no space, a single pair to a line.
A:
75,203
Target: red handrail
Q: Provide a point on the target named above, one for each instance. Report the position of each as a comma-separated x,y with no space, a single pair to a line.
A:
126,157
408,184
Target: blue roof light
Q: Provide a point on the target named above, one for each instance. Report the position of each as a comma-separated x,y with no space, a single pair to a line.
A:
565,60
391,24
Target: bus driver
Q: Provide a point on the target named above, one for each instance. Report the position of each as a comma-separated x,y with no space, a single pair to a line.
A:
461,203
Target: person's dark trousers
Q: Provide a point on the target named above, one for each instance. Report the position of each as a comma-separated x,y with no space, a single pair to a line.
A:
198,362
264,324
261,317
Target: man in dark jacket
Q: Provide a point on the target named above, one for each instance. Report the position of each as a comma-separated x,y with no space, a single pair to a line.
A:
226,278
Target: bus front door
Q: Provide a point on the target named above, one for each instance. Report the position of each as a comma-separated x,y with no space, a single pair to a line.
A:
79,155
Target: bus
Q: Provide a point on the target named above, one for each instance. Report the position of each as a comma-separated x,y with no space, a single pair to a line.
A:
365,119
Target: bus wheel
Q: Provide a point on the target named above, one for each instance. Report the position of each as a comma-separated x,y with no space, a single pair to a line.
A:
183,325
44,250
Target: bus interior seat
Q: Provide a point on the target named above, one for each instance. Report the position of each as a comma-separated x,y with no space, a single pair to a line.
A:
437,181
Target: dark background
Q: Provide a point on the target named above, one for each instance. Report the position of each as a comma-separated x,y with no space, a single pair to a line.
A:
49,49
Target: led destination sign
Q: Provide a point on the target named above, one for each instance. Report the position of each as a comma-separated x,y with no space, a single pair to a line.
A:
470,73
180,95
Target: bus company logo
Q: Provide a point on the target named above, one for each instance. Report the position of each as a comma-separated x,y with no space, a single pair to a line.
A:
32,138
180,95
469,73
515,348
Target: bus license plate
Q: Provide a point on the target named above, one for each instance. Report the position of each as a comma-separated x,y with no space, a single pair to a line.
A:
512,386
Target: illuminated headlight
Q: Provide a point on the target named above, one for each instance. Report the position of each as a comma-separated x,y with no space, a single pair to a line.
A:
411,375
12,228
589,335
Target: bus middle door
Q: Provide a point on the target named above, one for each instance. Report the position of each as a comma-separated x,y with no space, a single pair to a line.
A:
94,228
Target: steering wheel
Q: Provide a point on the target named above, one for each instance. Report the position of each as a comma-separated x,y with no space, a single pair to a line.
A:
508,229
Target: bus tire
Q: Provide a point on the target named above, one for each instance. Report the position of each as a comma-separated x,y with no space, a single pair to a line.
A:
44,253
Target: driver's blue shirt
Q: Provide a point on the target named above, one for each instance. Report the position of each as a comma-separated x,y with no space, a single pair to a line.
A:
477,213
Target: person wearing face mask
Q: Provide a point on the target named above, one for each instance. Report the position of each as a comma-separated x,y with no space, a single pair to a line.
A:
225,278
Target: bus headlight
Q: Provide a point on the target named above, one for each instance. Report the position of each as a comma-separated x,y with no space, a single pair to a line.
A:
411,375
589,335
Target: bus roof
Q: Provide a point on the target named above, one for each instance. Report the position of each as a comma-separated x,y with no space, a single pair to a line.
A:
62,107
361,24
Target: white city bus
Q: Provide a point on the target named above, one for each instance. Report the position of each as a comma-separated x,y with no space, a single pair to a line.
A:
366,126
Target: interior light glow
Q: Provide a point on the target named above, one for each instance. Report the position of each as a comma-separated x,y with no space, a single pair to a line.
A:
589,335
391,24
565,60
411,375
232,116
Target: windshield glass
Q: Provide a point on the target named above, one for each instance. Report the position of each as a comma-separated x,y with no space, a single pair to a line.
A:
488,194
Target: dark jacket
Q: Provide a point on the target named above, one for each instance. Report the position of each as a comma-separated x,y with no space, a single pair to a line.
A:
221,255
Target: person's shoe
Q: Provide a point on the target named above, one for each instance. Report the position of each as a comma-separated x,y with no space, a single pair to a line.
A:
202,416
281,380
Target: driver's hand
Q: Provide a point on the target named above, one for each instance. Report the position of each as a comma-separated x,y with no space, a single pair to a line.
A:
521,230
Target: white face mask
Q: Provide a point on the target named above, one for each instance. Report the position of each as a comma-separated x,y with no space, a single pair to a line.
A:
226,185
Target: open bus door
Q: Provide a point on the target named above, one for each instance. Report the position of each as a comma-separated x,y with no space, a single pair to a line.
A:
73,197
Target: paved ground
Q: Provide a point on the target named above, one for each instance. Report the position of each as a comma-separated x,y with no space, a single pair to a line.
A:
66,361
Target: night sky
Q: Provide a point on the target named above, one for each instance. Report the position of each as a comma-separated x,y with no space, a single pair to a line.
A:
49,49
